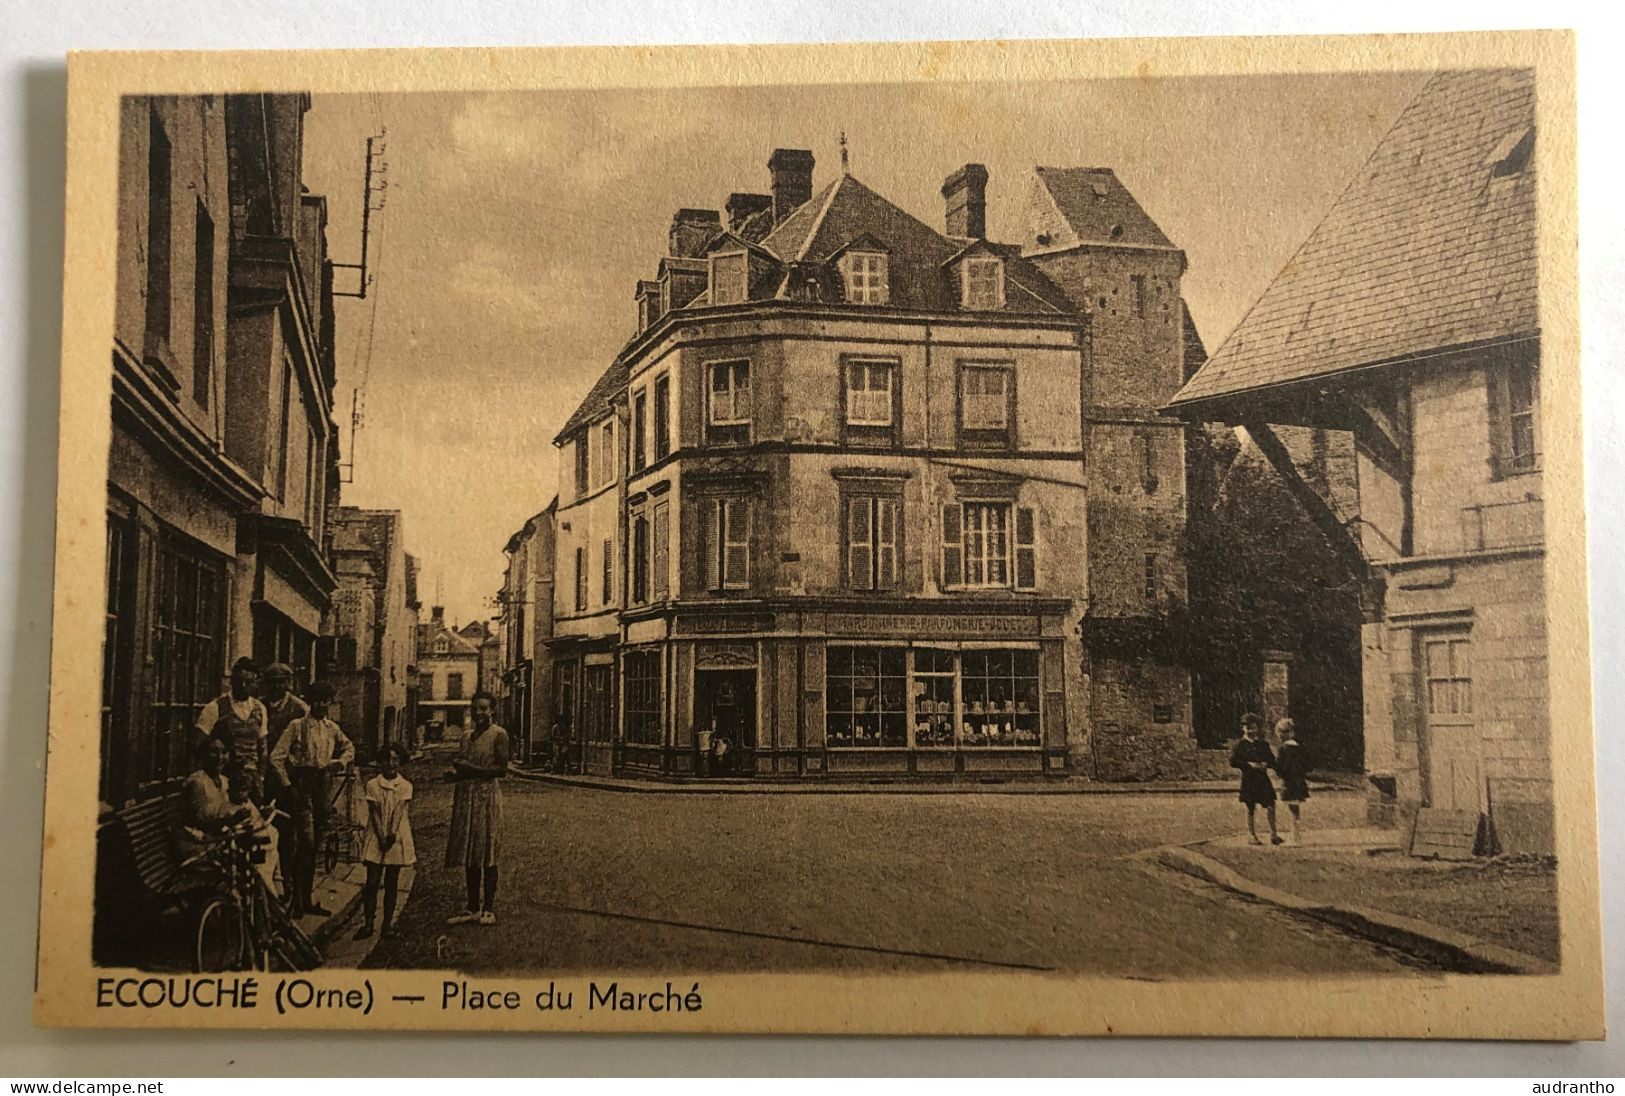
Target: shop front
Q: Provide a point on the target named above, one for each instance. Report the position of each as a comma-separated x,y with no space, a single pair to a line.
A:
790,693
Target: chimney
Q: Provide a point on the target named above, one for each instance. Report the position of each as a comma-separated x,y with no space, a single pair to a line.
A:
791,169
691,230
438,614
742,207
964,196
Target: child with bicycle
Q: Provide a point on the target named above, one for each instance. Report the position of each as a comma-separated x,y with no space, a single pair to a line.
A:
387,846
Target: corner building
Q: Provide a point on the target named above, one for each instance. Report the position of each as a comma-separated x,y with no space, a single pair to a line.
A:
835,501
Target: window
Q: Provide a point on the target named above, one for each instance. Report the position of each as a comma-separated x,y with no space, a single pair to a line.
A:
640,427
1162,713
642,697
1522,453
609,572
983,283
1150,576
986,405
581,580
662,558
866,697
869,392
441,646
605,457
1145,448
1142,304
188,654
640,559
978,549
1000,693
1447,661
1514,398
425,686
582,478
730,393
866,277
287,414
454,686
873,529
662,415
203,308
728,278
727,544
159,176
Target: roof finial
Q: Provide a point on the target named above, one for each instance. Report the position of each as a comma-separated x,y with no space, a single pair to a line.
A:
843,153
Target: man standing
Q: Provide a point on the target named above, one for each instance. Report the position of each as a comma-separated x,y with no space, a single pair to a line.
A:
308,755
239,720
282,707
476,811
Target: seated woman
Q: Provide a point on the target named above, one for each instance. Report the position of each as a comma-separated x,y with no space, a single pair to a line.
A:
206,804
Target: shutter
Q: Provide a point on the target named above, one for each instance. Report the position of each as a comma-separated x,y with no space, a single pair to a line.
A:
662,557
859,543
953,554
736,523
713,545
886,522
1026,550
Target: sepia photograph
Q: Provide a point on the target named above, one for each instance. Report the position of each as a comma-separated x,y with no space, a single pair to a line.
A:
1080,528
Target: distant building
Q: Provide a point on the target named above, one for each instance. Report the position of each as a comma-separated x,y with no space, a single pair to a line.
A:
375,625
486,638
448,673
524,626
1407,322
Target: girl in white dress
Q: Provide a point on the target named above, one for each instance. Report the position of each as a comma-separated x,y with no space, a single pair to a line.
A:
387,846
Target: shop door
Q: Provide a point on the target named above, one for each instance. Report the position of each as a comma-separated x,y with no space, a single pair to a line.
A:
1452,759
595,702
727,698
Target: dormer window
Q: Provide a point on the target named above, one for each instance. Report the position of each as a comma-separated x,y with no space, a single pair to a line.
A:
728,278
1512,154
865,273
983,283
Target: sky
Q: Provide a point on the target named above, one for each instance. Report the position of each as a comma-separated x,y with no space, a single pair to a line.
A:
516,225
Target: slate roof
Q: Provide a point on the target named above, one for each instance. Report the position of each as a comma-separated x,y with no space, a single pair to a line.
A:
1426,249
1099,209
611,381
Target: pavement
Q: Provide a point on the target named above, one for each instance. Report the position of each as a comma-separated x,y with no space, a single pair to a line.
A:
1445,947
595,879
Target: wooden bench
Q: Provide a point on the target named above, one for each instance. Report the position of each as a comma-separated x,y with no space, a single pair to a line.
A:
147,833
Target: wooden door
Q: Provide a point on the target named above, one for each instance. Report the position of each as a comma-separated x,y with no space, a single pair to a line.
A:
1452,761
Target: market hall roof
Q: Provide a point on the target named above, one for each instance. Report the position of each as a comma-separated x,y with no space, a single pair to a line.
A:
1430,247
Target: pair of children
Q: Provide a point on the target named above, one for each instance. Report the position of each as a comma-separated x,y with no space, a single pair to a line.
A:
1254,758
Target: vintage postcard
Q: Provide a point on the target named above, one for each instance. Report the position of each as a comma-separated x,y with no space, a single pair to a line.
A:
1016,538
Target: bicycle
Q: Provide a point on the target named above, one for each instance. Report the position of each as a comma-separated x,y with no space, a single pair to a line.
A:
244,927
343,838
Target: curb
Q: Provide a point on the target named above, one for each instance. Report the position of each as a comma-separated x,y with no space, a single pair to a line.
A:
1023,786
1454,951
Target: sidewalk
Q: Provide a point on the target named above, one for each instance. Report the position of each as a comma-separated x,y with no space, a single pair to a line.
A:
903,785
1486,916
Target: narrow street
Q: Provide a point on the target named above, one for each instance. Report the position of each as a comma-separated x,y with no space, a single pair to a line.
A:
595,880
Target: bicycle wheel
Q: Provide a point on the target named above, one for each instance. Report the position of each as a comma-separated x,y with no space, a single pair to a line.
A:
221,938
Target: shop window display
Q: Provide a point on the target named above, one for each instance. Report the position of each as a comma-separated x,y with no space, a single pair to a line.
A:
1000,696
866,699
933,697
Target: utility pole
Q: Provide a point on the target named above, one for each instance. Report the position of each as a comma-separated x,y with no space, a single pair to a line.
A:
376,146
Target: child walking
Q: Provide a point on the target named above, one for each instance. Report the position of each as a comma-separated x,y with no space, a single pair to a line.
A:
1254,758
1293,765
388,844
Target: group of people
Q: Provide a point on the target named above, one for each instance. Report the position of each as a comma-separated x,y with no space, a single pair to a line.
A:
1255,758
264,751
